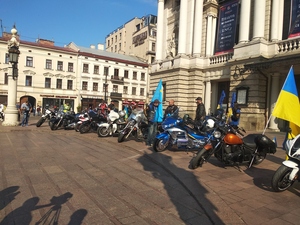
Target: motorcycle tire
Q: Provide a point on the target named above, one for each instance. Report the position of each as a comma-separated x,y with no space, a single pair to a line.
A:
280,179
158,146
84,128
199,159
102,132
121,137
76,127
259,158
40,122
54,126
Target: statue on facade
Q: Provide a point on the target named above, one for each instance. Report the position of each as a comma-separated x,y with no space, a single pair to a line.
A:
171,51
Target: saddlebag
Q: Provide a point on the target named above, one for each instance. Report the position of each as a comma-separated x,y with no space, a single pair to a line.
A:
265,144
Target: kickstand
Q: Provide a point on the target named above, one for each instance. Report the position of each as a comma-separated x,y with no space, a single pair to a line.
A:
237,166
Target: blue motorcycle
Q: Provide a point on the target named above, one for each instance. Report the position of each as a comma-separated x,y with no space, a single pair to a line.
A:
182,133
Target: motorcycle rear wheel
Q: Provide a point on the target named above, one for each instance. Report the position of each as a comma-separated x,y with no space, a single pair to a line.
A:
102,132
40,122
259,158
199,159
121,137
54,126
84,128
280,179
158,146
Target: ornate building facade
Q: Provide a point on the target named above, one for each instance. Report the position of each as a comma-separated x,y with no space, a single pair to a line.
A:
244,47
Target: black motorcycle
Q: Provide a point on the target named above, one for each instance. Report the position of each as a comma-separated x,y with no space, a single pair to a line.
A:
48,115
92,123
136,126
229,146
66,120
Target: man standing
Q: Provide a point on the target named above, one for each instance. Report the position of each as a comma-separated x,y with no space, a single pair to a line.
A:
200,111
25,109
170,109
67,107
152,121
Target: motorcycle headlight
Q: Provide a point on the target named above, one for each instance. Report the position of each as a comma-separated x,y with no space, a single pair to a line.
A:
217,134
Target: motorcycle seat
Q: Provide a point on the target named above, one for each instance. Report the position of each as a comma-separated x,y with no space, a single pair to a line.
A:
249,140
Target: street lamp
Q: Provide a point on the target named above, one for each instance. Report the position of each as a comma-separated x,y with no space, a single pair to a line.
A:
11,112
105,90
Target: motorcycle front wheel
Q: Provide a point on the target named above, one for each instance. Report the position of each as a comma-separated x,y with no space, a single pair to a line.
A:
199,159
121,137
40,122
54,126
84,128
159,146
280,179
102,132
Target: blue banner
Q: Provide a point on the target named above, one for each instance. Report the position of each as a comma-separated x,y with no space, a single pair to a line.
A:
228,16
294,19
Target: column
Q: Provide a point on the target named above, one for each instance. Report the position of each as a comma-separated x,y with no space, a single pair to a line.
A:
198,28
182,28
213,35
275,20
259,19
11,112
160,31
208,35
244,21
273,98
280,19
207,101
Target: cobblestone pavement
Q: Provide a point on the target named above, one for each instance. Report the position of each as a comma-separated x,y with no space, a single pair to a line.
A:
71,178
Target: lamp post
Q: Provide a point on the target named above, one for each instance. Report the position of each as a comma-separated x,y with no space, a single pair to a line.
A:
11,112
105,90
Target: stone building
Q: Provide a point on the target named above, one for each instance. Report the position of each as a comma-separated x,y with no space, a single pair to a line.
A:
240,46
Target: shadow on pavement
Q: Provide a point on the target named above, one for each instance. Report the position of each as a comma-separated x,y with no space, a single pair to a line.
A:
7,195
198,209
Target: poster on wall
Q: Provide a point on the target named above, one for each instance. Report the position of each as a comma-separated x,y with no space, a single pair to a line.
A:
294,30
228,16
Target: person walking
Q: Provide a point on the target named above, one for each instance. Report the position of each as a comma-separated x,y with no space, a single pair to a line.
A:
200,111
171,108
25,109
152,121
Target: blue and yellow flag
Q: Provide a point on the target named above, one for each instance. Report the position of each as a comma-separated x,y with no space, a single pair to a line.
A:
287,106
223,95
158,94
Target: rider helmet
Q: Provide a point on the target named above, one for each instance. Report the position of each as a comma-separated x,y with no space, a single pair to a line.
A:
210,123
186,118
122,113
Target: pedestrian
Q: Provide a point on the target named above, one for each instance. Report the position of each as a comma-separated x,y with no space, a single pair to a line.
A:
152,121
103,107
38,110
33,110
170,109
200,111
67,107
25,110
236,114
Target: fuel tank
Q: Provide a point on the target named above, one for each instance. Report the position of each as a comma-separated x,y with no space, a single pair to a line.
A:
232,139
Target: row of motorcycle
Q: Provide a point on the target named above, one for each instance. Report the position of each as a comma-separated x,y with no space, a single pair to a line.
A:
212,137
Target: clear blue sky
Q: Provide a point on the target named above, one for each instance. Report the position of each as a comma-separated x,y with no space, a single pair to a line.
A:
83,22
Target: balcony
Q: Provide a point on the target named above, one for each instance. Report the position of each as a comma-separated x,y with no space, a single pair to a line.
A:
117,80
115,95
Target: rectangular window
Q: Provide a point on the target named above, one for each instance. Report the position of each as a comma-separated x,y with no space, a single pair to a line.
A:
133,90
84,85
108,43
59,83
125,73
70,85
120,46
116,72
60,65
125,90
105,71
5,78
85,68
143,76
95,86
48,64
153,46
47,82
29,61
134,77
70,67
96,69
28,81
115,88
6,58
142,92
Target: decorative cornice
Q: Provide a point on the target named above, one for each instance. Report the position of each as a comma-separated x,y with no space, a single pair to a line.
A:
29,72
59,75
48,74
70,77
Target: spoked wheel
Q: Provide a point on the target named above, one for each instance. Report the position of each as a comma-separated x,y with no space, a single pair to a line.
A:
40,122
84,128
199,159
103,131
159,146
280,180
